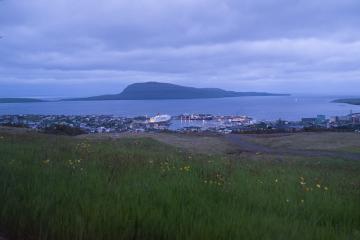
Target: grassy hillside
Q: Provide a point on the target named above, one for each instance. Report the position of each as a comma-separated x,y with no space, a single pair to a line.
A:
66,188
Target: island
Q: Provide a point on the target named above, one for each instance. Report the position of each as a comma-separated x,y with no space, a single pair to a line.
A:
158,91
20,100
353,101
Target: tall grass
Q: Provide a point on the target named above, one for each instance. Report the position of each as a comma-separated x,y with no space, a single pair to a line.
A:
63,188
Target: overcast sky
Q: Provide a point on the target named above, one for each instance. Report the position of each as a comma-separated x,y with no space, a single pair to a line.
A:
88,47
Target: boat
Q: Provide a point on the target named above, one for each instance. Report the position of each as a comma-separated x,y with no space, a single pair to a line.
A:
164,118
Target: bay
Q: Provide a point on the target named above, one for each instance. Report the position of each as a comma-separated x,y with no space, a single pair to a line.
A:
260,108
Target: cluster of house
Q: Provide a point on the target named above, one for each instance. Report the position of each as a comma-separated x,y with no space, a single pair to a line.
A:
351,121
181,123
88,124
244,124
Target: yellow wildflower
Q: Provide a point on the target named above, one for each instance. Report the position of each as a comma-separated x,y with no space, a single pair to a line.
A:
187,168
46,161
318,185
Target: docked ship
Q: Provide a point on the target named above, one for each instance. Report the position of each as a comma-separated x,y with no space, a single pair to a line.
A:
160,119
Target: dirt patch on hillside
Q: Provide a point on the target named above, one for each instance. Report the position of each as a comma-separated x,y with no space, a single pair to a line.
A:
16,130
330,141
199,143
296,145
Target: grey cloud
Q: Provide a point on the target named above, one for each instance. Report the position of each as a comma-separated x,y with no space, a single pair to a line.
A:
258,45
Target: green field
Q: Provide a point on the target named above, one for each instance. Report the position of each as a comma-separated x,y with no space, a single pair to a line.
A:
54,187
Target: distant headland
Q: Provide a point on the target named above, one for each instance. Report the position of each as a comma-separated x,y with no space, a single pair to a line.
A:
353,101
20,100
162,91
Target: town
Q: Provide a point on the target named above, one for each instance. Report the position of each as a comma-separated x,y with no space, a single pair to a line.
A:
185,123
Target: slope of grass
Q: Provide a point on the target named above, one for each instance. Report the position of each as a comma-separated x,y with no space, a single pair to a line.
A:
63,188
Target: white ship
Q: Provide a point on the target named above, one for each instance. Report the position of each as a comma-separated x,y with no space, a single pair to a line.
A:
160,119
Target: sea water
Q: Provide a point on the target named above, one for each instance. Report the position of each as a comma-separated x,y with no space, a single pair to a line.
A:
260,108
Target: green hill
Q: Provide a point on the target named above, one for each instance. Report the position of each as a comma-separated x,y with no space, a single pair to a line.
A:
156,90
